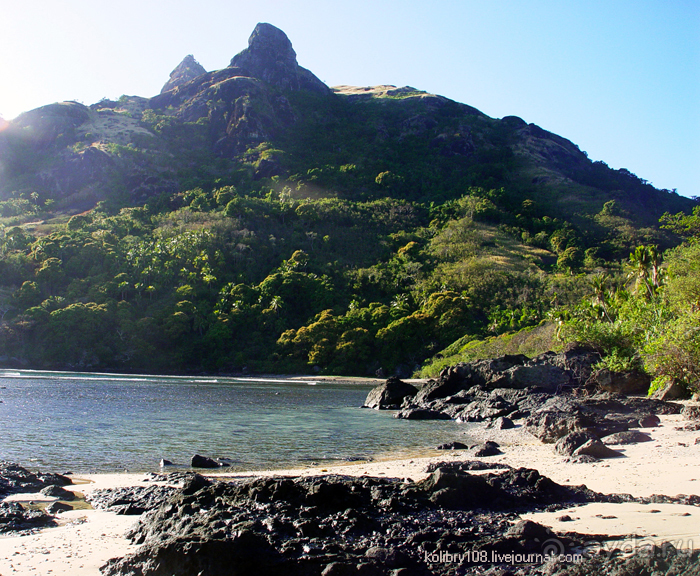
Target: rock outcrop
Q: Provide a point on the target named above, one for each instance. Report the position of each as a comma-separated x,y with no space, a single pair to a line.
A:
341,525
554,395
390,395
187,70
14,479
270,57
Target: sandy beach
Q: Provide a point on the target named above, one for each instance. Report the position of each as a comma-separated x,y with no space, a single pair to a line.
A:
668,465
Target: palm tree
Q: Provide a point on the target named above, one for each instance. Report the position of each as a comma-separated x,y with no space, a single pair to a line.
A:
646,268
601,295
276,303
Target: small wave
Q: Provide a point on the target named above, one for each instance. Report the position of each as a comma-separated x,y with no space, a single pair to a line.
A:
277,380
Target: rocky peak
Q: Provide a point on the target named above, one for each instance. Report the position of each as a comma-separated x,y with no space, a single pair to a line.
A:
270,57
267,46
187,70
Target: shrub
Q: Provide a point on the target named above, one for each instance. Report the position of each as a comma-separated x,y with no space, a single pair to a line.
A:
675,353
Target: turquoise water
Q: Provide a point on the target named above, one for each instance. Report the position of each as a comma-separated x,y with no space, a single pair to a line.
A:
83,422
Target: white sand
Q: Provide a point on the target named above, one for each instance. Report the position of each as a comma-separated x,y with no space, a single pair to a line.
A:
669,465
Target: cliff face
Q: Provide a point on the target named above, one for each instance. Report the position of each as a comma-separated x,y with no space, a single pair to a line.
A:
428,146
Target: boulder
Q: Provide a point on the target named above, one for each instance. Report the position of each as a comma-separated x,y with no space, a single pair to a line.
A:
15,479
339,569
627,437
501,423
549,426
578,360
649,421
671,391
387,557
691,411
131,499
457,490
569,443
529,531
452,446
538,375
390,395
442,388
14,517
421,414
583,459
58,492
204,462
605,426
489,448
596,449
633,382
58,507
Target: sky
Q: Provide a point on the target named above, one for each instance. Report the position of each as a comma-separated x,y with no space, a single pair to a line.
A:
619,78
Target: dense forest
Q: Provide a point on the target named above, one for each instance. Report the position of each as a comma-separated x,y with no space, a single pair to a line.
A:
249,222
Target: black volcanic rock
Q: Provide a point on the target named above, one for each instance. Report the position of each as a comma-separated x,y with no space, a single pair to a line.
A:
15,517
14,479
331,524
270,57
388,396
187,70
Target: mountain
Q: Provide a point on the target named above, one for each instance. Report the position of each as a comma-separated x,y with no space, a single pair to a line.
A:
267,114
254,219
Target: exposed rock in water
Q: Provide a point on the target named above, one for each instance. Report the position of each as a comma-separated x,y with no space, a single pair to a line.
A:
422,414
390,395
58,507
206,462
552,391
452,446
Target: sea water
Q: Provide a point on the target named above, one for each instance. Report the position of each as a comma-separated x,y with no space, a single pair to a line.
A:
87,422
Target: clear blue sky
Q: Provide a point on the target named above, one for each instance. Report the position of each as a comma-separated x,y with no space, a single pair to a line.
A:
619,78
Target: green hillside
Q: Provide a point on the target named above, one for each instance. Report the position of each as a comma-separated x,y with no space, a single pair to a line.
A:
253,219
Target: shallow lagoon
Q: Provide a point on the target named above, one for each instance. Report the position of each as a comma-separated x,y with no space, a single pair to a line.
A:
86,422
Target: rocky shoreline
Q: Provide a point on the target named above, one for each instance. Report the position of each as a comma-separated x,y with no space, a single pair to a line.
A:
462,514
452,522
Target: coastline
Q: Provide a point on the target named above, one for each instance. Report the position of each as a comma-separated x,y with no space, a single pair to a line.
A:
668,465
